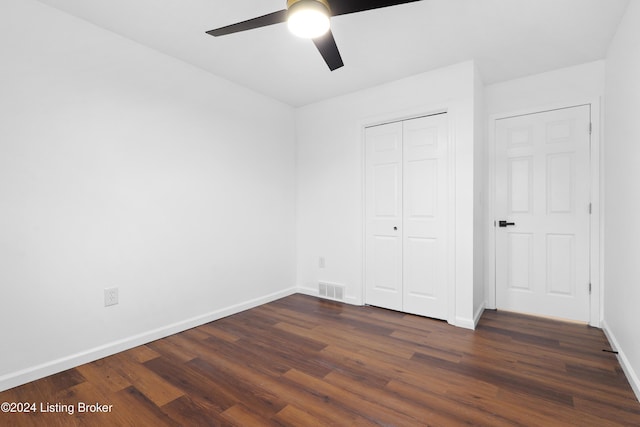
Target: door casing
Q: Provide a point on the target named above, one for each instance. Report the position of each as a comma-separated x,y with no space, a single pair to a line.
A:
595,226
451,226
418,286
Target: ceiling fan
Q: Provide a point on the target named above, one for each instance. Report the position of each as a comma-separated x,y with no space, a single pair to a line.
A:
310,19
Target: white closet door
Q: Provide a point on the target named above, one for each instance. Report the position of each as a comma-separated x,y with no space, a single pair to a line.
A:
383,195
425,216
406,188
542,192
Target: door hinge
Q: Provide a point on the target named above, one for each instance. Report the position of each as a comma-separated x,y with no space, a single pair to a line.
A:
590,128
589,208
589,288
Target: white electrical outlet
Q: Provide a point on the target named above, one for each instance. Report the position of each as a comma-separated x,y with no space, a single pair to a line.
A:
110,296
321,262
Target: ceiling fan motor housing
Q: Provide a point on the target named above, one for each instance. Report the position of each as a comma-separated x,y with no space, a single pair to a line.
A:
325,3
308,19
292,5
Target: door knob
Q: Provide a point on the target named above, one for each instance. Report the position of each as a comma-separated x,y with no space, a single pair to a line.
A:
503,223
395,228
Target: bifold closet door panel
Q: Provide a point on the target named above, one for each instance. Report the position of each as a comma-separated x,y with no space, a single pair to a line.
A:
424,219
383,212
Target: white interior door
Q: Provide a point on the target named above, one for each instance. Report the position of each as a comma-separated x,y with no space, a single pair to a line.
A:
543,189
406,200
383,211
425,216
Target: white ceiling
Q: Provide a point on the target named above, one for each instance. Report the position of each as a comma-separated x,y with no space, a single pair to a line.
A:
506,38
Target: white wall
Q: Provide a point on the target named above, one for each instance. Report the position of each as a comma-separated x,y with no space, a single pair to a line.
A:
329,177
551,89
622,190
579,84
122,167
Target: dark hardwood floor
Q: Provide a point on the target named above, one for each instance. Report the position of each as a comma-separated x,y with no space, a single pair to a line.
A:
302,361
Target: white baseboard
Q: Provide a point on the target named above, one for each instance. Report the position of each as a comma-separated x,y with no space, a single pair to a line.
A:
463,322
478,315
24,376
314,293
308,291
459,321
631,375
469,323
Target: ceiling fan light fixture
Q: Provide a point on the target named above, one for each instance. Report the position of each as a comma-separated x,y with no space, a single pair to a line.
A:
308,18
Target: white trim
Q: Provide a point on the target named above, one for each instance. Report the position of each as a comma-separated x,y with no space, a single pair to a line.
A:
601,212
452,224
33,373
463,322
596,224
399,116
478,315
351,300
490,231
632,376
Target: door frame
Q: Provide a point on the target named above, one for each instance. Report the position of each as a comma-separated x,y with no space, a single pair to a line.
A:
595,223
400,116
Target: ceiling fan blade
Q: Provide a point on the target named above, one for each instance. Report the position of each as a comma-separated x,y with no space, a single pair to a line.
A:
342,7
261,21
328,48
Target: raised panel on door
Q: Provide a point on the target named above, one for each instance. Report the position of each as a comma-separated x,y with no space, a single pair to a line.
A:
383,216
520,262
421,268
425,216
542,185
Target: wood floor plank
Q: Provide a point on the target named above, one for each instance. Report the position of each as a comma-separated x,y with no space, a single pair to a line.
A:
192,383
304,361
187,411
441,410
91,393
292,416
140,410
302,320
172,347
101,374
154,387
245,353
142,354
241,416
389,398
340,397
617,411
261,401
